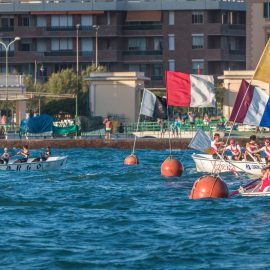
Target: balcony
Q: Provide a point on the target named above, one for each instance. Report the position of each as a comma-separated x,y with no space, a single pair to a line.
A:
239,52
10,53
68,53
7,29
146,52
142,27
225,55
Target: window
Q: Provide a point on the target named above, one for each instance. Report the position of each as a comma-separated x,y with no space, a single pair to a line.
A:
171,63
86,44
197,17
108,17
158,44
197,41
41,45
157,72
86,20
7,21
137,68
171,17
171,42
41,21
61,20
266,10
26,44
25,21
197,66
62,44
7,41
136,44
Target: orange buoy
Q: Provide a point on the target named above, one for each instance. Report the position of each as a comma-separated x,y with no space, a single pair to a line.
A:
209,187
131,160
171,167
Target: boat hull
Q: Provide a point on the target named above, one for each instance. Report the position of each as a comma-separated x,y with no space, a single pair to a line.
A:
52,164
205,163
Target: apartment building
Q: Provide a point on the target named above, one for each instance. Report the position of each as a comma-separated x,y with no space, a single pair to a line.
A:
148,36
258,30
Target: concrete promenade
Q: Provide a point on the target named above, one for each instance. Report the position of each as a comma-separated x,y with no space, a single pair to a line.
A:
158,144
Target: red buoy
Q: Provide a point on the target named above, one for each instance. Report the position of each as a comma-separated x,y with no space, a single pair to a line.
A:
131,160
171,167
209,187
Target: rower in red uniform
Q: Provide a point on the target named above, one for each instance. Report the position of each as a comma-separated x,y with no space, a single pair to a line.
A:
265,186
251,148
235,150
265,149
216,146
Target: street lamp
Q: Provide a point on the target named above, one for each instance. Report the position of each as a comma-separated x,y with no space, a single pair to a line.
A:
77,65
96,27
6,46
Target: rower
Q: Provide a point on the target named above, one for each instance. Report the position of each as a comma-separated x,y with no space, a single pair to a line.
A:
251,147
235,150
265,183
216,146
45,155
24,153
265,149
5,156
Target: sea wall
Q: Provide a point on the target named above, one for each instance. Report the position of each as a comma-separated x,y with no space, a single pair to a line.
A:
158,144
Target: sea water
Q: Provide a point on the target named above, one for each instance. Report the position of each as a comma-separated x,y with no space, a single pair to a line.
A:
99,214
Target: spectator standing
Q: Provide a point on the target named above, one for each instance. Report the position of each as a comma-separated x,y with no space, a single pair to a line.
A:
108,128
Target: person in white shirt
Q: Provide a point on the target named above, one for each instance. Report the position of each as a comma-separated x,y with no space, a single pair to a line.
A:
235,150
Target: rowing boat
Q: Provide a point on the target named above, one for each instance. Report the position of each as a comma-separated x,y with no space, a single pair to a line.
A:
51,164
206,163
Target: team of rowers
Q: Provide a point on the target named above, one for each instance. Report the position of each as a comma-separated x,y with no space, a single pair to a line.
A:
4,159
252,151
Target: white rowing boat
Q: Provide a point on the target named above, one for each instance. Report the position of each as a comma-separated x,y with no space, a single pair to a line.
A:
51,164
206,163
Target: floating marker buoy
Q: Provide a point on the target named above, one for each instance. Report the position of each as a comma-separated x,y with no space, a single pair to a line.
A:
171,167
209,187
131,160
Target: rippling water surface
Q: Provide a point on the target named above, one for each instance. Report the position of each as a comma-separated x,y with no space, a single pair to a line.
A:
99,214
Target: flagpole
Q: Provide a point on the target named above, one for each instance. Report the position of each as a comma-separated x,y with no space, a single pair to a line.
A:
135,139
168,118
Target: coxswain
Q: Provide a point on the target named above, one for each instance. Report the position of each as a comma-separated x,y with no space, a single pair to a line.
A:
235,150
5,157
24,153
251,150
216,146
265,149
45,155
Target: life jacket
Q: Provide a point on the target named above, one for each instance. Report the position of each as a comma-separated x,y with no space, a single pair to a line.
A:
267,152
214,148
265,184
235,151
250,148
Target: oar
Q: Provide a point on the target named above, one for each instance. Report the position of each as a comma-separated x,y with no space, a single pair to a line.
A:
248,186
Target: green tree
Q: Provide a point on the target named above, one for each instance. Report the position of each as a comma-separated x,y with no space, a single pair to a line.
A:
63,82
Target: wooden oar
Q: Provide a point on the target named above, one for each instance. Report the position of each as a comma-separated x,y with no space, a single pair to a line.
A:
248,186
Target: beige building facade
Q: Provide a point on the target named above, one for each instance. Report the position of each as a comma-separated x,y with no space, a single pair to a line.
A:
258,30
116,94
